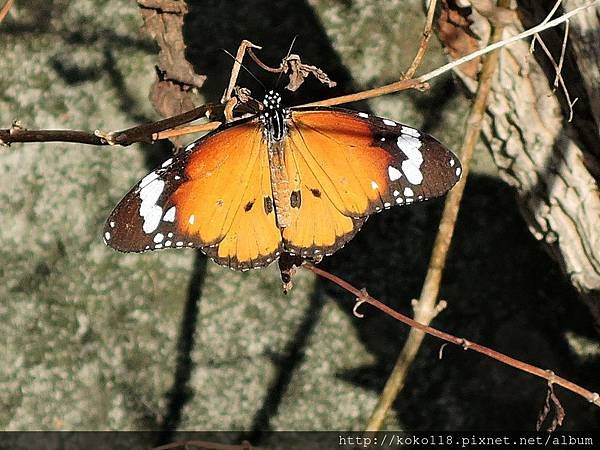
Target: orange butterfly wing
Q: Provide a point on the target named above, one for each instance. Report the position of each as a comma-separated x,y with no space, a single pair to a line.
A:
216,195
345,165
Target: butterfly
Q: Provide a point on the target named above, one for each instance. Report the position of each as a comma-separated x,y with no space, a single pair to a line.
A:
299,181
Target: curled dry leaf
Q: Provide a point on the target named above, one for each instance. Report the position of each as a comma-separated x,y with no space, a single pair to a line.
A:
174,91
455,32
298,71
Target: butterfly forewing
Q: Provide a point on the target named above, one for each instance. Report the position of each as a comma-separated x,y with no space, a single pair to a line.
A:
213,196
385,162
346,165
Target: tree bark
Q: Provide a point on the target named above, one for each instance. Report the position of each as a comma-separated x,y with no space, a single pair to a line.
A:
553,164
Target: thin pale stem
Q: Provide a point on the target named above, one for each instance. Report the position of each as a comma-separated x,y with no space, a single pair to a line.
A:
5,8
424,41
419,81
426,308
548,17
235,71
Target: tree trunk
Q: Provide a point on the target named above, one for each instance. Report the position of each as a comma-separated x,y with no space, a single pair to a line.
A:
552,163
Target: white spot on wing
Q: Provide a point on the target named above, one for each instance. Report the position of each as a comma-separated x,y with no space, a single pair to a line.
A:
149,194
148,179
409,145
179,243
167,243
452,162
394,173
170,214
408,192
413,174
410,131
158,238
190,146
389,123
107,236
112,224
167,162
191,220
458,171
363,115
374,185
396,193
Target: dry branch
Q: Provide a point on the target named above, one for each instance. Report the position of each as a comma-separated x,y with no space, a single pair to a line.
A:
148,132
362,296
424,41
5,8
427,306
5,136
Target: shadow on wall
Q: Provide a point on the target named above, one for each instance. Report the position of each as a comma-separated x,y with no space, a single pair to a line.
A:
503,290
208,28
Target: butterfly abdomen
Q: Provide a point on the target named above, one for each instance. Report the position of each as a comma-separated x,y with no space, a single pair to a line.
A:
280,184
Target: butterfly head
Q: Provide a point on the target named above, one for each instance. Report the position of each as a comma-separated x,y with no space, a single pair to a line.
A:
273,117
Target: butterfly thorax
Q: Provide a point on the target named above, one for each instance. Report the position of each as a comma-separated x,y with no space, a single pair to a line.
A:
273,118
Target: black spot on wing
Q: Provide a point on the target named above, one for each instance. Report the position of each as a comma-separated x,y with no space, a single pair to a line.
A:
295,199
268,205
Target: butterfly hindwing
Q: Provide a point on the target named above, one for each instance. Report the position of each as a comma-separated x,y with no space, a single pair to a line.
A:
216,195
345,165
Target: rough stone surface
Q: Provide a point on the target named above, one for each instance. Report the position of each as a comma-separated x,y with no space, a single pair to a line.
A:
93,339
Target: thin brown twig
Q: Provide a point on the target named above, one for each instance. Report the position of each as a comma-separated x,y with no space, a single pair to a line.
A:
180,131
590,396
425,309
147,130
559,77
262,65
237,65
424,41
5,8
142,133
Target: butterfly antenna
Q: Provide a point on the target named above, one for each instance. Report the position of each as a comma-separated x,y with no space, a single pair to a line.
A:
286,57
246,69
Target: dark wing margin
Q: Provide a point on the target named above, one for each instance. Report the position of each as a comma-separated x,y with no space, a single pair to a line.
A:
210,196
